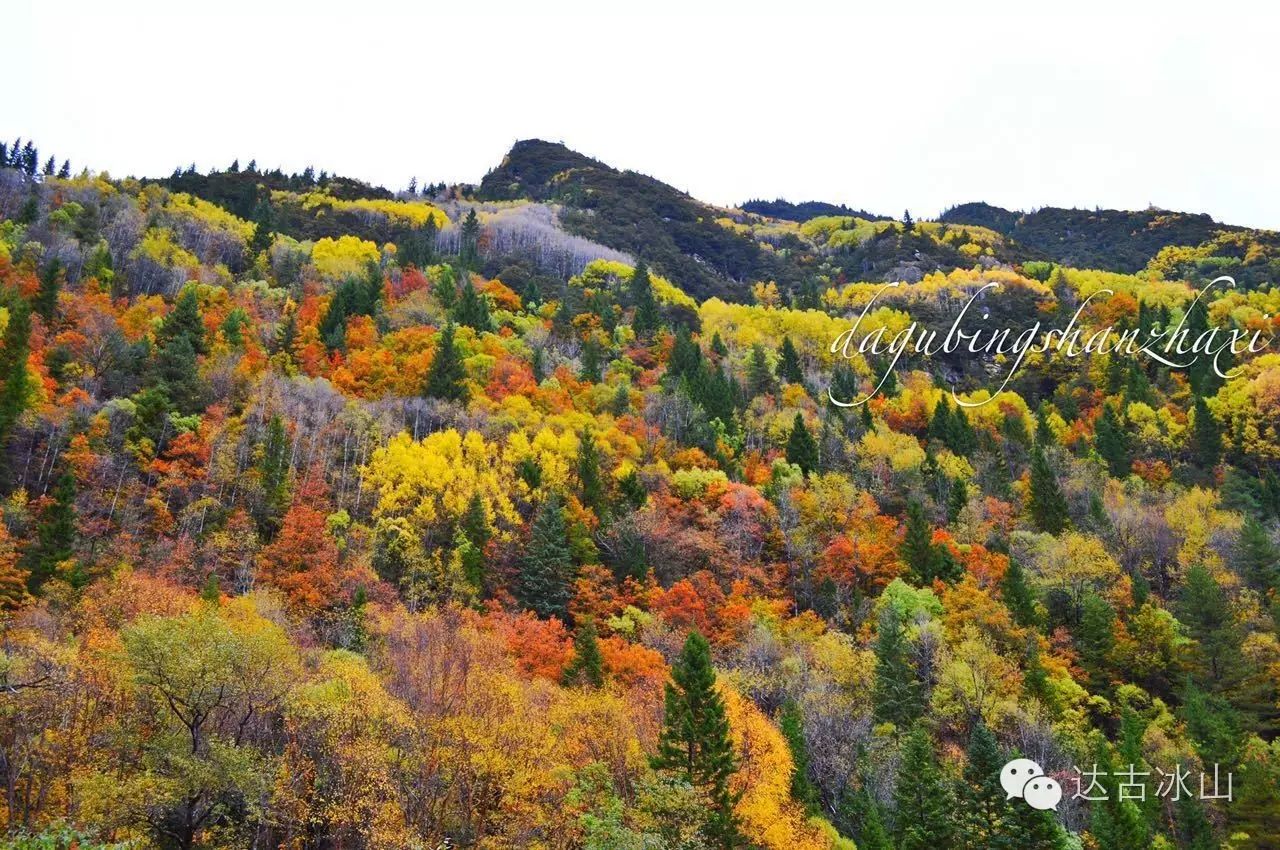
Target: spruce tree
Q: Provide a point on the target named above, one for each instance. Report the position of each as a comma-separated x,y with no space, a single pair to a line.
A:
760,380
925,809
1206,435
55,534
1018,596
587,667
1095,639
1259,557
896,695
592,368
1205,610
986,818
925,559
45,302
789,363
694,744
15,393
802,448
1112,442
791,725
546,570
644,321
445,378
686,358
472,308
862,813
273,469
1048,505
469,247
590,482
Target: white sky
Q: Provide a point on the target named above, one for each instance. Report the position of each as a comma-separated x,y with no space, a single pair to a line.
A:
883,109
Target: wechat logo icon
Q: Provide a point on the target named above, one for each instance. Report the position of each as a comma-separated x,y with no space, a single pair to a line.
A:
1026,779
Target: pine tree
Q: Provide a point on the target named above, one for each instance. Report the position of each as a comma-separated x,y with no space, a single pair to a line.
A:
446,376
273,470
940,426
694,744
15,393
686,358
264,226
587,667
802,449
210,592
547,567
925,559
986,818
45,302
896,695
1044,433
1258,558
1018,596
469,247
1112,442
861,811
644,321
590,483
1048,505
717,345
1206,435
1206,612
791,725
184,321
760,380
592,369
789,368
55,534
1095,639
925,807
472,308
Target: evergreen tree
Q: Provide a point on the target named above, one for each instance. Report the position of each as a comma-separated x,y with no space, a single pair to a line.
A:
694,744
590,482
924,805
1206,612
15,393
446,288
789,368
1095,638
1112,442
791,724
925,559
587,667
210,593
273,468
184,321
940,426
802,449
1259,557
1048,505
45,302
178,377
717,345
1206,435
620,405
861,811
897,696
469,246
644,321
446,376
592,369
547,567
263,226
986,816
1018,596
1044,433
760,380
472,308
55,534
686,358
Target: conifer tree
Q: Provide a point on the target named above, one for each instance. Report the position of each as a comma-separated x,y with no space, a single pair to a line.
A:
1018,596
45,302
896,695
15,393
472,308
789,363
547,566
718,346
1048,505
791,724
587,667
590,483
760,380
644,321
445,378
1206,435
925,559
178,377
592,369
802,448
925,807
861,811
55,534
469,248
1259,557
1112,442
694,744
1205,610
686,357
986,815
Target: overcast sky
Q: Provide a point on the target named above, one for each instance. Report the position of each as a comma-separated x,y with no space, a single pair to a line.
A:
877,108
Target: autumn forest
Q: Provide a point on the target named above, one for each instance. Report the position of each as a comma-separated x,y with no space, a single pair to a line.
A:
518,515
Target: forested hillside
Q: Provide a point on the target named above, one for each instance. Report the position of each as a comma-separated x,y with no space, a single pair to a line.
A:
519,516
